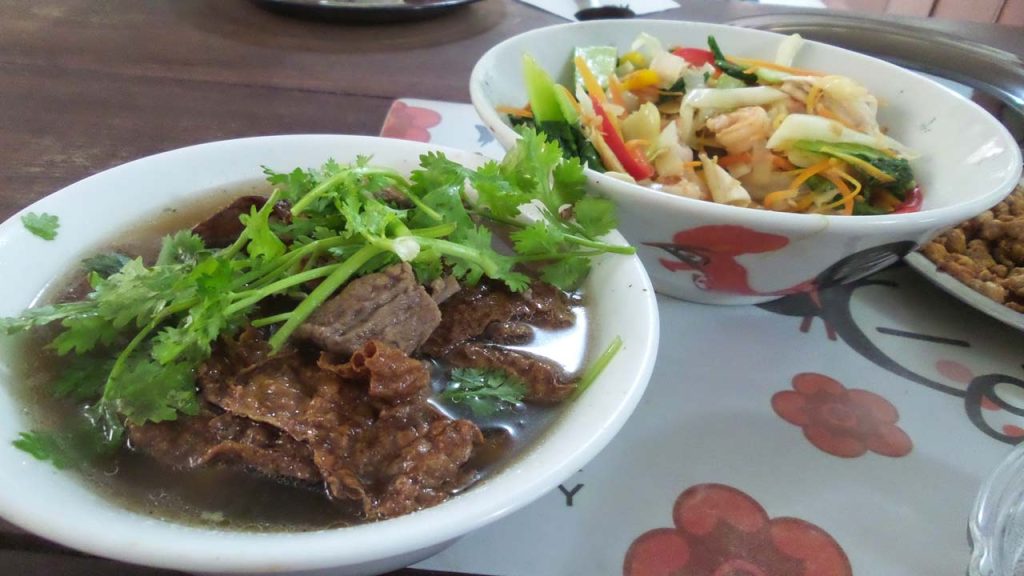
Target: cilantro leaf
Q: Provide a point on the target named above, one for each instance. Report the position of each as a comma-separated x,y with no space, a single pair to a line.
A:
595,215
485,392
43,446
43,225
181,247
537,238
569,181
529,165
105,264
84,333
263,242
567,273
292,185
43,315
83,378
147,391
496,192
88,436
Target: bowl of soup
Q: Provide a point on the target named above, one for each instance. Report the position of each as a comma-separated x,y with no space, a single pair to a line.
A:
301,353
749,165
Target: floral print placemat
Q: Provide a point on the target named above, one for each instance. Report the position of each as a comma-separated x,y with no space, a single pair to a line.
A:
828,434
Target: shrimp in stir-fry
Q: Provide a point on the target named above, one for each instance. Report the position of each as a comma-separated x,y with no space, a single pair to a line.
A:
739,131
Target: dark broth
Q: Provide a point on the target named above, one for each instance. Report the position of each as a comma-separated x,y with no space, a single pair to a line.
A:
231,498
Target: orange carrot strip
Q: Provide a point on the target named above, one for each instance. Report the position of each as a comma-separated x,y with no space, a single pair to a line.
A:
730,159
513,111
782,163
590,81
754,63
615,88
847,194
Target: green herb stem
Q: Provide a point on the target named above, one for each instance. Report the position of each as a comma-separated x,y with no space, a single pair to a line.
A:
602,246
341,274
598,366
268,320
251,297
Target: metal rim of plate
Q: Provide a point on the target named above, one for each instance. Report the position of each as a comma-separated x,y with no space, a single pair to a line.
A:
994,73
364,11
963,292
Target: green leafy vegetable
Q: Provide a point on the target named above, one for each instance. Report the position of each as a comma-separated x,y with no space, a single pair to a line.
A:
43,225
43,446
569,137
598,366
879,168
676,90
106,264
485,392
734,70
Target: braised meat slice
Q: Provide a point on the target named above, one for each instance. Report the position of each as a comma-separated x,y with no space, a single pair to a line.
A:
422,474
468,313
211,438
443,288
546,382
223,228
366,421
390,373
389,306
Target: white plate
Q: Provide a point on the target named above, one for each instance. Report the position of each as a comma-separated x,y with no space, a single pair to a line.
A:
929,270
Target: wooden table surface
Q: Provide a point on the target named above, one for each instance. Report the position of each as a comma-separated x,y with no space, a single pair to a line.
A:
88,85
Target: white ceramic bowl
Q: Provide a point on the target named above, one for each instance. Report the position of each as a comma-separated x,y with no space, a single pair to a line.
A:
54,504
721,254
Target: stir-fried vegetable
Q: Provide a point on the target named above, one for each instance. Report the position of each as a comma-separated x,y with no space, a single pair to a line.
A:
744,131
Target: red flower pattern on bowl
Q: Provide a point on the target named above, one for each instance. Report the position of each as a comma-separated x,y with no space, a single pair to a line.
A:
840,421
409,122
721,531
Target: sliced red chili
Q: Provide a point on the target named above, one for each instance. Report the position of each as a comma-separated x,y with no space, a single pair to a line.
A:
911,203
635,163
695,56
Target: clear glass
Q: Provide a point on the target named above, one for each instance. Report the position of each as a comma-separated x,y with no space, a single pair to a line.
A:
997,521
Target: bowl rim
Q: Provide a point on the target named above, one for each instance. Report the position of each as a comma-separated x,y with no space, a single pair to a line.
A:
512,488
621,190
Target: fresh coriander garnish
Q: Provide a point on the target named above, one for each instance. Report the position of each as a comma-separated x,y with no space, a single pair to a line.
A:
144,329
43,225
485,392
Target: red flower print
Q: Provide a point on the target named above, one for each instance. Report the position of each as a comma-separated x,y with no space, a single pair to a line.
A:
845,423
409,122
721,531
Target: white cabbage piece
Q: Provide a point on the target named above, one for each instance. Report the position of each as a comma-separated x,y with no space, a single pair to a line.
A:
672,155
696,78
724,188
648,47
842,96
644,124
798,127
686,126
730,98
669,68
788,49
